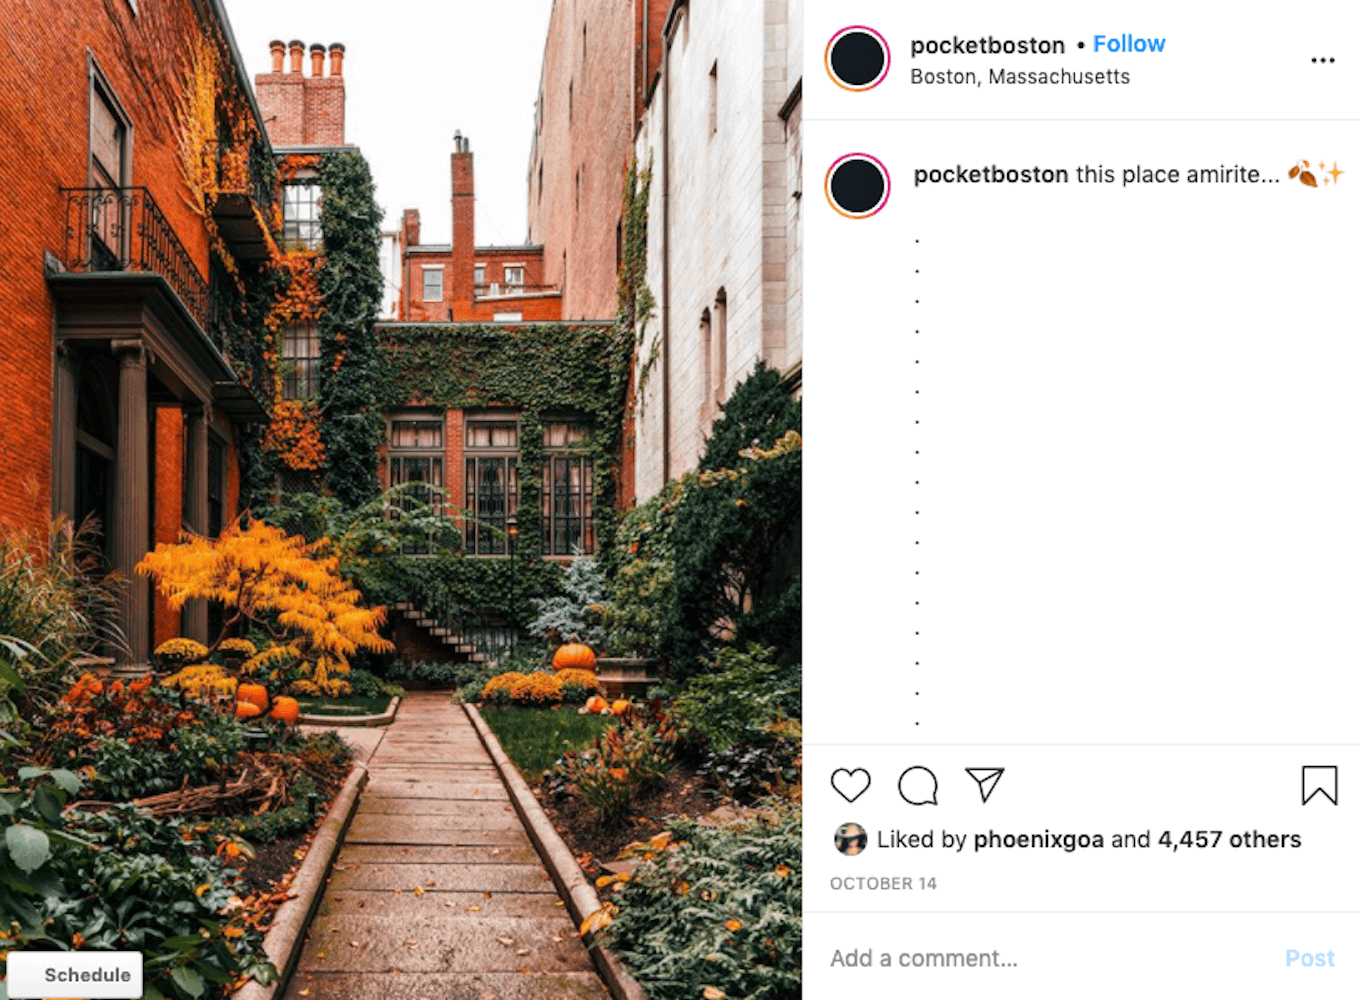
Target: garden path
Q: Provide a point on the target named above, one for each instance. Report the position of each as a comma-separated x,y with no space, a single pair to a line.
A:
437,893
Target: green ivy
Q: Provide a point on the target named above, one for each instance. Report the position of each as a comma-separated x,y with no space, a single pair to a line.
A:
351,286
541,370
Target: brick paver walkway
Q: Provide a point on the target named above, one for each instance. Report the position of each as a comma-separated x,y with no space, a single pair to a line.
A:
437,893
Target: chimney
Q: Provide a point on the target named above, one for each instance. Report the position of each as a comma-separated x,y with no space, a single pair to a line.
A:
276,51
295,48
410,227
318,59
464,220
337,59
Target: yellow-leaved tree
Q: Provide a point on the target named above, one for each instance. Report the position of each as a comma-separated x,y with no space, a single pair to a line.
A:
280,583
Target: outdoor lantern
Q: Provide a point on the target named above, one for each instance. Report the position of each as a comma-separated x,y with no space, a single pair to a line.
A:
512,527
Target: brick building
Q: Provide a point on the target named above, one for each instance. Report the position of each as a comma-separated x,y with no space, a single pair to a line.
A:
123,399
461,282
708,95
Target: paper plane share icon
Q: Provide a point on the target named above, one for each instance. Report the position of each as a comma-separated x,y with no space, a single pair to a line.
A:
986,778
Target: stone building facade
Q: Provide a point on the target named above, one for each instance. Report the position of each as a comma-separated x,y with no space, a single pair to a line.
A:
721,128
122,401
709,96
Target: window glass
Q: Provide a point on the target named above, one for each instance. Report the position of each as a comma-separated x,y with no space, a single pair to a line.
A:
302,213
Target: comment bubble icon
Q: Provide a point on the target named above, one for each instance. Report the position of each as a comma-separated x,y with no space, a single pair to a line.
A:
919,787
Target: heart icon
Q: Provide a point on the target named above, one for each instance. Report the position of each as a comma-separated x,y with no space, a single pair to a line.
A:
851,784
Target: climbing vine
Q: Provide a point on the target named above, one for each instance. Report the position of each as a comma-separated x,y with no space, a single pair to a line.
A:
542,371
351,286
332,439
636,302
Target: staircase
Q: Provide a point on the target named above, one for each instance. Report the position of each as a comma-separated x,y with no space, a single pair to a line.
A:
430,632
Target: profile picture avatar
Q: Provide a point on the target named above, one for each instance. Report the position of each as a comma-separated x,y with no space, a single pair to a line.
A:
851,839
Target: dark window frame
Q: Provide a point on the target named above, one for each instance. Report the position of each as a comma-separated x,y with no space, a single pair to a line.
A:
491,484
568,489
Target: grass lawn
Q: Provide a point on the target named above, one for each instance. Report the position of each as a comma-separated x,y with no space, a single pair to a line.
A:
535,737
344,706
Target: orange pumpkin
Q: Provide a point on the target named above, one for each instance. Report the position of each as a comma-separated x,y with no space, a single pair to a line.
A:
255,694
574,656
620,707
285,710
246,710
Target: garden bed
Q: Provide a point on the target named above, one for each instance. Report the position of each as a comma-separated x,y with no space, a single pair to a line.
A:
351,705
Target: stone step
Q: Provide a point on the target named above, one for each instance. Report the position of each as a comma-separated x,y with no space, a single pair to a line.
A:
463,884
349,942
483,855
447,986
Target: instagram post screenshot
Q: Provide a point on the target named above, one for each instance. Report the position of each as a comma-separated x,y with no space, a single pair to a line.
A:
402,533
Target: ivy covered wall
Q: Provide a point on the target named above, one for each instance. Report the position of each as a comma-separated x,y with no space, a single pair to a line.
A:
329,442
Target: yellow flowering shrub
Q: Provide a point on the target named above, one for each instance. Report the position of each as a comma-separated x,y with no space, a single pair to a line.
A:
497,690
538,688
202,680
179,652
577,685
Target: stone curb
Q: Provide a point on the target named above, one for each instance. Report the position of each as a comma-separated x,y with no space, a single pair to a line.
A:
283,942
571,882
353,720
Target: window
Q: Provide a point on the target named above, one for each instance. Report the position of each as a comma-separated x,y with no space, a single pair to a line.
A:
110,169
479,275
514,275
434,284
302,213
713,99
719,362
415,454
301,360
217,477
492,467
568,491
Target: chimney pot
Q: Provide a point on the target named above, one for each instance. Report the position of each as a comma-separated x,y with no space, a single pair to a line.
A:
295,49
337,59
276,51
318,59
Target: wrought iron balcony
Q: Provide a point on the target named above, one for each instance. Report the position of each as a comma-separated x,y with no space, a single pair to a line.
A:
501,290
123,229
245,196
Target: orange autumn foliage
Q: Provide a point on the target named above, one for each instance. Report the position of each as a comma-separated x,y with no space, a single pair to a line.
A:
274,581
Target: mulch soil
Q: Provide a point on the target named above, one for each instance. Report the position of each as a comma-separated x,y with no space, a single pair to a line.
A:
273,861
684,794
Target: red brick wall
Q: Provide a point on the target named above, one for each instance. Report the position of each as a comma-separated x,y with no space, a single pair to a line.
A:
302,110
581,149
458,294
169,488
453,459
45,52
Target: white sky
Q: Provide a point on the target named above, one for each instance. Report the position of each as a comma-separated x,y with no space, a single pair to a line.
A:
416,71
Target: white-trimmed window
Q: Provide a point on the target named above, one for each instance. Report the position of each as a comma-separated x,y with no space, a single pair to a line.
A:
568,490
479,274
514,275
302,212
491,466
433,283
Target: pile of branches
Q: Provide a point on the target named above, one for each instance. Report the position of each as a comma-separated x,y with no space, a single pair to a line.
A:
261,785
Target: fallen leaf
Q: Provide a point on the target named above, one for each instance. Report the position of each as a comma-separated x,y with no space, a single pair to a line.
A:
472,909
733,925
522,951
1308,179
1293,172
506,941
713,993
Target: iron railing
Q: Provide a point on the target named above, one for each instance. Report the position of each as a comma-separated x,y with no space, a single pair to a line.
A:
123,229
501,290
485,633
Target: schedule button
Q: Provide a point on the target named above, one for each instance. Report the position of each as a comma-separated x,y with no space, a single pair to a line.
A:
99,975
